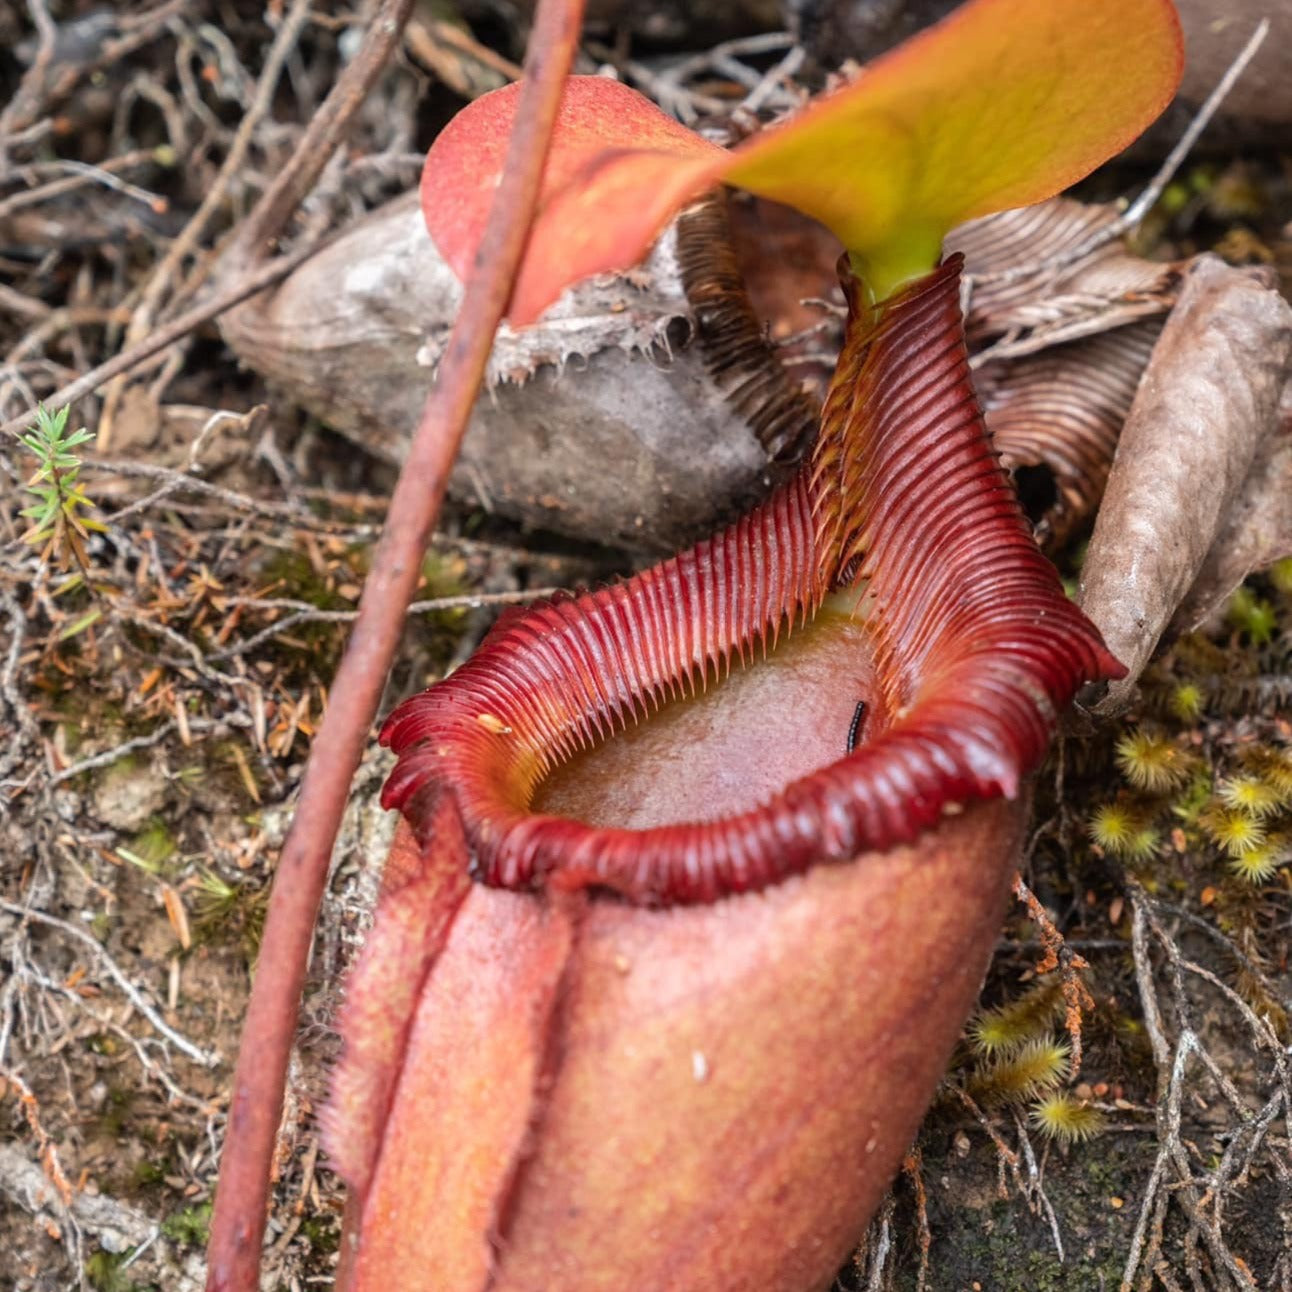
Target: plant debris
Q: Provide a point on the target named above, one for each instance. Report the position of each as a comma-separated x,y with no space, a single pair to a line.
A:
1208,401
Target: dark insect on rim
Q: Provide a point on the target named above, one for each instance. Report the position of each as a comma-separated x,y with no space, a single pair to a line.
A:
854,727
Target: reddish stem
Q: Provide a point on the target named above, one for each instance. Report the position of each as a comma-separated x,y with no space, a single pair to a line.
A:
237,1226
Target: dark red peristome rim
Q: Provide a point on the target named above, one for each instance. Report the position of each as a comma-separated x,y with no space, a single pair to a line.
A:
978,649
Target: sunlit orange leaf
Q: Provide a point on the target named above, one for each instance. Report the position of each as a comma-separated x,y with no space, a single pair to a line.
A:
617,170
1003,104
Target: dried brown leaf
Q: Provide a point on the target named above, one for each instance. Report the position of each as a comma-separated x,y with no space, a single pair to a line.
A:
1208,400
1258,531
1063,409
1062,340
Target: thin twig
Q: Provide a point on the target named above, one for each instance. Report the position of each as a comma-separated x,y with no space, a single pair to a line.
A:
109,756
78,175
28,93
267,219
160,281
22,718
28,1186
677,100
182,482
1036,1194
1144,981
774,81
28,306
255,281
304,613
1136,1253
136,30
882,1227
208,1059
1230,948
1199,1193
1141,206
174,1090
769,42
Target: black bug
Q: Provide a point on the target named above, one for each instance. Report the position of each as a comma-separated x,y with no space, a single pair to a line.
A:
854,727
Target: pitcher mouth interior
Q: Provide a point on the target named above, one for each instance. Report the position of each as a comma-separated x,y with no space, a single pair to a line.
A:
737,743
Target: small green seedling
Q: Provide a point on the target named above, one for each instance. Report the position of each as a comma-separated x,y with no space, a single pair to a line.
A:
60,515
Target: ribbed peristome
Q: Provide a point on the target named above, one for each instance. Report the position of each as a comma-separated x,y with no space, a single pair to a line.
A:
976,647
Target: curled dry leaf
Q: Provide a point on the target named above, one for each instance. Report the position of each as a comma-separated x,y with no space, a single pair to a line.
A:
1062,341
1055,416
740,356
1047,274
604,422
790,267
1207,403
679,374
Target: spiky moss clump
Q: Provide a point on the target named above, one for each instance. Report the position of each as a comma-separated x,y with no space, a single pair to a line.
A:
1272,767
1233,830
1211,778
1187,702
323,1233
191,1226
108,1272
1252,795
1021,1063
1151,761
1036,1066
324,577
1260,864
1063,1117
223,911
443,577
1008,1027
1189,804
1247,820
1123,829
1253,616
151,848
1215,792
